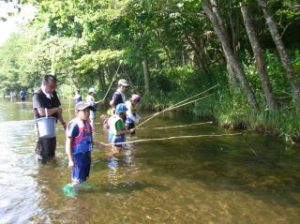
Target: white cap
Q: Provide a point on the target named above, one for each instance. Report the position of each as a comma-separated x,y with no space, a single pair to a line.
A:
91,90
123,82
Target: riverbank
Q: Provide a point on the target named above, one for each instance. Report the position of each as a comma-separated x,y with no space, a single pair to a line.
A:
232,112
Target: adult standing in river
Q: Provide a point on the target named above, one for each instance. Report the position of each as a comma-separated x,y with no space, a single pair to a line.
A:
119,95
45,100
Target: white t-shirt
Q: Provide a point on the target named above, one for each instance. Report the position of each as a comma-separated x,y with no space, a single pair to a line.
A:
131,114
90,99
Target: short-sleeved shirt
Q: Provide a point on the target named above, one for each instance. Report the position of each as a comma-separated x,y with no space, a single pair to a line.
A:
72,130
39,100
120,125
90,99
118,98
77,98
22,93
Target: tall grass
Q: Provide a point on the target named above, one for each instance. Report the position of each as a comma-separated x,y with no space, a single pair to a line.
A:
226,107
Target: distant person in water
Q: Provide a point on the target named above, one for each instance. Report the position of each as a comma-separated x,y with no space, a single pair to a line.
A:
22,95
90,99
77,97
46,103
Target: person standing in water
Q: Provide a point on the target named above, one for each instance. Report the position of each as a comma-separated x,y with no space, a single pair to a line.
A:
46,103
93,105
131,115
77,98
22,95
119,95
117,129
79,144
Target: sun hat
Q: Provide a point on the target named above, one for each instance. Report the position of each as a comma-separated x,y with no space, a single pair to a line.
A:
123,82
81,106
91,90
121,108
135,98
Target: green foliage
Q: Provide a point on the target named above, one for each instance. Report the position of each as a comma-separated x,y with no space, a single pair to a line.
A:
89,62
82,42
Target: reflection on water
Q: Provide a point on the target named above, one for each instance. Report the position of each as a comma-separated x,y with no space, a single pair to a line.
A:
121,167
233,179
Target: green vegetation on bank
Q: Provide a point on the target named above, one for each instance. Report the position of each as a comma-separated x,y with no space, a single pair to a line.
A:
171,50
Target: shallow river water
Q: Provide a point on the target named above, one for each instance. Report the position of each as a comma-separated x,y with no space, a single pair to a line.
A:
245,178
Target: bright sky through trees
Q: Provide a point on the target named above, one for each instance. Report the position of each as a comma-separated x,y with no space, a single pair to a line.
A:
12,23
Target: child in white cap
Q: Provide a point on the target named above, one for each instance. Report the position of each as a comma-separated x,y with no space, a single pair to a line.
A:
93,106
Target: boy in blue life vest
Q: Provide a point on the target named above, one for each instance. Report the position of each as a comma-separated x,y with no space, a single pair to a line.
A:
79,145
117,129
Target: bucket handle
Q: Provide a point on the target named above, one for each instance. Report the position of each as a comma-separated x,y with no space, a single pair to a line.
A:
46,111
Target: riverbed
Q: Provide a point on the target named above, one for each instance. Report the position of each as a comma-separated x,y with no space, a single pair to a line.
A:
245,178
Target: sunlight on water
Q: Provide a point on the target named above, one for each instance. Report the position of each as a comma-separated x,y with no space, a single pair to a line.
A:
232,179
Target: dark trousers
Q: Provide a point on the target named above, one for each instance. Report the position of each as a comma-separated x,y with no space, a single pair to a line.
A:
45,149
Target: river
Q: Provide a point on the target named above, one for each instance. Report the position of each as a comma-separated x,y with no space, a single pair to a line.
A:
245,178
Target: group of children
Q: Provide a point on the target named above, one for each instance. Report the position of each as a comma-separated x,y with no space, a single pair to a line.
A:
79,142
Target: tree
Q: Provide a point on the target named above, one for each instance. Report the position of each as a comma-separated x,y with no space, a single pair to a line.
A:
231,60
292,78
256,48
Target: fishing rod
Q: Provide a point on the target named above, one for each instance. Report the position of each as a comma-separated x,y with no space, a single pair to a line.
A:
192,101
169,109
179,126
113,79
183,101
179,103
168,138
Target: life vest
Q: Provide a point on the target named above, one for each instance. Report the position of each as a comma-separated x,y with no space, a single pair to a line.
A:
84,141
113,135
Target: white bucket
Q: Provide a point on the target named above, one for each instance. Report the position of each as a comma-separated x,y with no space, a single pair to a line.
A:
46,126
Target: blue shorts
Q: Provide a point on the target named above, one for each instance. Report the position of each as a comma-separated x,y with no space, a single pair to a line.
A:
81,169
112,138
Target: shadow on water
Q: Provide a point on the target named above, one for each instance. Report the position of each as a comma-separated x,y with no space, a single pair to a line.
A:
124,187
231,164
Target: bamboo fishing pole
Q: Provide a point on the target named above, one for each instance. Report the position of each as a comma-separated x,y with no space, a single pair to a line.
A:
192,101
113,79
180,126
198,94
168,138
169,109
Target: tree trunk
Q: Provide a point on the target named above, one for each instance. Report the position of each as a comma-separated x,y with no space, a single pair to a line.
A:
182,58
146,75
200,55
232,78
101,79
231,74
108,74
234,25
281,50
164,46
231,60
260,63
